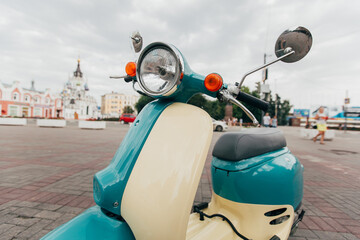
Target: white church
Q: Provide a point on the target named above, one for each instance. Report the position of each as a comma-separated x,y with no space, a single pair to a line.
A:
77,103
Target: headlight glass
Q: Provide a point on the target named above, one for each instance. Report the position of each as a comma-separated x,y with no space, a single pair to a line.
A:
159,71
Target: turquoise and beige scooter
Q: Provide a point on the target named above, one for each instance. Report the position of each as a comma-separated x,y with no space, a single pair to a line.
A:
148,189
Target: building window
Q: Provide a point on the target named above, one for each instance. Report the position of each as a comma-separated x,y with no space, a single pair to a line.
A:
37,99
25,112
47,100
27,98
13,110
37,112
15,96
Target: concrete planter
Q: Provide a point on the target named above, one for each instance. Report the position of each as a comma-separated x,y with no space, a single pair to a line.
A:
13,121
92,124
50,123
310,133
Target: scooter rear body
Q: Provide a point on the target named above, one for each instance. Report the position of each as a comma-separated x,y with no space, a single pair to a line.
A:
258,194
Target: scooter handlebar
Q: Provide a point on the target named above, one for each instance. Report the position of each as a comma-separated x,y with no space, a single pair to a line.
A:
253,101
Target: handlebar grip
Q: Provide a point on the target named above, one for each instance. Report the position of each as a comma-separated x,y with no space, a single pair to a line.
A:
128,79
253,101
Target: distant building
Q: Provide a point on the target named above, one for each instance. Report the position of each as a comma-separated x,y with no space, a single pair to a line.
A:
17,101
112,104
78,104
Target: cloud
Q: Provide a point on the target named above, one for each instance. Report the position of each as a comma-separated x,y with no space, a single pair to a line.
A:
42,40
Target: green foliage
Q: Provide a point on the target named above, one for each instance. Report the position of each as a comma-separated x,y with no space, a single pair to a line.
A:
239,114
128,109
282,107
143,100
215,109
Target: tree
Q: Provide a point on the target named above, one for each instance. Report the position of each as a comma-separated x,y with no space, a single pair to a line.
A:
282,109
143,100
128,109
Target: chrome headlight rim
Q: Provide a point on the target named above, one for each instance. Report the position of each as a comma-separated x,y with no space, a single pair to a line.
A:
179,61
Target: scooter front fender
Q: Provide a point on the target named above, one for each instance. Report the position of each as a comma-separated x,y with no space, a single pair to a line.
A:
92,224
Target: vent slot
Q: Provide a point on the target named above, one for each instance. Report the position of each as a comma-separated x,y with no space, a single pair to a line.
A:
280,220
275,212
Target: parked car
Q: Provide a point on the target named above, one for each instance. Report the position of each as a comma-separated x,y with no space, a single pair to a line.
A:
219,126
127,118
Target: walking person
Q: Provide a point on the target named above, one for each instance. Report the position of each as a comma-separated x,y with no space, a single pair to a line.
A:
266,120
274,122
321,125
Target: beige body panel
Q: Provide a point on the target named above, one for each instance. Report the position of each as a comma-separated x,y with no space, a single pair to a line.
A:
248,219
161,188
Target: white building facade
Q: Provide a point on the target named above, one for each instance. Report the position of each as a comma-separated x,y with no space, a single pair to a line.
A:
78,104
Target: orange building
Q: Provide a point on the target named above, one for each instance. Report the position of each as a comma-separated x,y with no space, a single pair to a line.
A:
16,101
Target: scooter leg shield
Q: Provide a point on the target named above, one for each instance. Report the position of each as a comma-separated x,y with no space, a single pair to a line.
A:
92,224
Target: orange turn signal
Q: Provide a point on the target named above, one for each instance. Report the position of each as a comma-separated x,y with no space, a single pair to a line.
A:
131,69
213,82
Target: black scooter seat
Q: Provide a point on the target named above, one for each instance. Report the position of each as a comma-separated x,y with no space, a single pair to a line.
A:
249,143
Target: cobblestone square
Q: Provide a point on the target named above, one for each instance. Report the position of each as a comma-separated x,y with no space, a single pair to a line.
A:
46,179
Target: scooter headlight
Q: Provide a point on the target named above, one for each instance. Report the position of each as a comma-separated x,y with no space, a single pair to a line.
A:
159,69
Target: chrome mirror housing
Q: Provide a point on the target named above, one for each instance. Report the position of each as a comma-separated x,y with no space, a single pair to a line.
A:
298,40
137,41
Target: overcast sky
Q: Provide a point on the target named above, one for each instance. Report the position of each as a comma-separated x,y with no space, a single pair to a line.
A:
41,40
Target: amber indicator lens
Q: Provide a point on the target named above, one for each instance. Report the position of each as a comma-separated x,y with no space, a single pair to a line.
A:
131,69
213,82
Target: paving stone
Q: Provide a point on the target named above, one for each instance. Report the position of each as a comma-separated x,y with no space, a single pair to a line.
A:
34,229
10,233
48,215
329,235
305,233
8,210
26,222
6,218
61,220
39,235
26,212
50,207
349,236
8,204
26,204
297,238
354,229
68,209
5,227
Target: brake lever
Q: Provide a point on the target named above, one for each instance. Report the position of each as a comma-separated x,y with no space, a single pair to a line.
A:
138,91
118,77
126,78
225,95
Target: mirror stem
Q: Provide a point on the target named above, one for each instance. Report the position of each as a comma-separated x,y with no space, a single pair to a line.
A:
264,66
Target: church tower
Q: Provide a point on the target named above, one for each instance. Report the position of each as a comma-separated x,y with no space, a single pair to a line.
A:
78,103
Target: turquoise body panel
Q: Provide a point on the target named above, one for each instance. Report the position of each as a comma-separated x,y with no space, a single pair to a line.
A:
274,178
109,184
92,224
